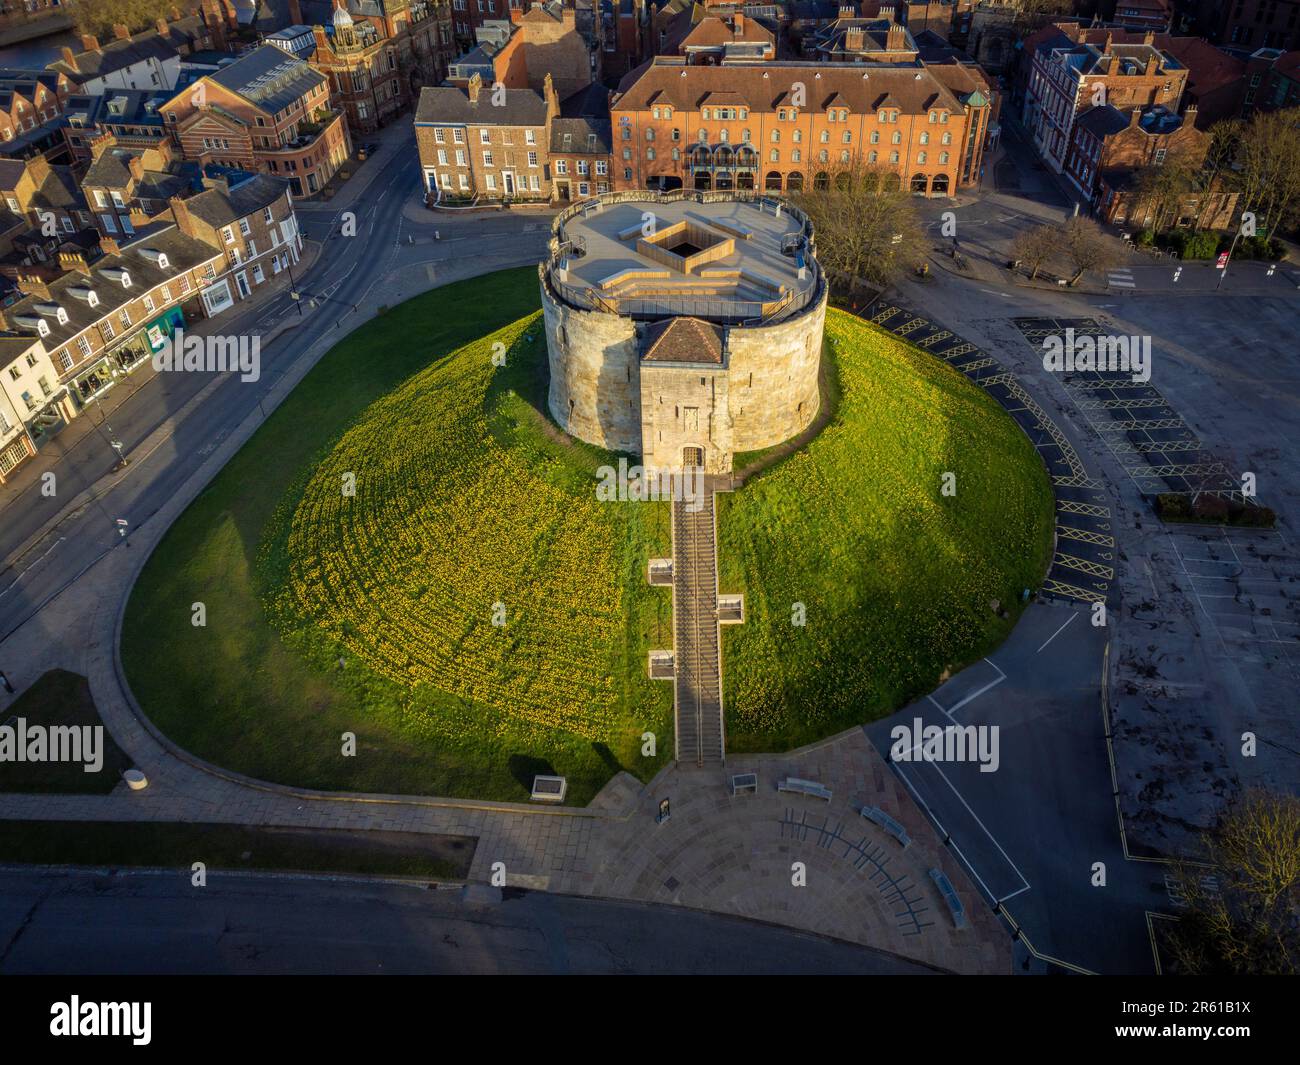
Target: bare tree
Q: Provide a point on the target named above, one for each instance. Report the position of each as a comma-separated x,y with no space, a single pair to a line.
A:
1268,167
1243,911
1087,247
865,223
1033,247
1160,191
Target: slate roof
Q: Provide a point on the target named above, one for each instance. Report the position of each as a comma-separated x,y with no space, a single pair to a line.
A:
269,77
450,104
219,207
1103,121
116,55
182,252
586,136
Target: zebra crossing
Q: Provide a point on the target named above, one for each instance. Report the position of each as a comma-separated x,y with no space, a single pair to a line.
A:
1121,277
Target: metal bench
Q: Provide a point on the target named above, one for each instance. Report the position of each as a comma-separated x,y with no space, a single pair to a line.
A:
878,817
744,782
949,894
797,786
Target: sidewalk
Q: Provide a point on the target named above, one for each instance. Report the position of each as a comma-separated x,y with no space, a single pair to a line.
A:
242,318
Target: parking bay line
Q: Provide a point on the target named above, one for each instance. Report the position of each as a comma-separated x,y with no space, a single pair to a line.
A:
1056,633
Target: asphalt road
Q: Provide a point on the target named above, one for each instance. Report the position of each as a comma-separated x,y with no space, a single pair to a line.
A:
147,923
345,275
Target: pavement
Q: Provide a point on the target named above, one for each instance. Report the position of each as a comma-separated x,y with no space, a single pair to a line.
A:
92,923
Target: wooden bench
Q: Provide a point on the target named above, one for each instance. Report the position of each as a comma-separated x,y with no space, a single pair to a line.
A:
613,280
797,786
949,894
878,817
744,782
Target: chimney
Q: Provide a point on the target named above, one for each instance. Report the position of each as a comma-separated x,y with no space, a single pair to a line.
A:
181,212
73,260
32,285
1112,65
109,246
551,97
121,32
38,169
89,43
161,26
738,24
68,56
1189,116
1135,118
475,87
896,39
848,10
135,166
853,39
1153,65
100,144
1149,38
1110,40
175,14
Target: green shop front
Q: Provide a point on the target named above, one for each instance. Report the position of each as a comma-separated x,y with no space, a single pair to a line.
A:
128,355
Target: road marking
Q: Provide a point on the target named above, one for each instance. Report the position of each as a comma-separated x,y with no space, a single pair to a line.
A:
975,695
31,567
1057,632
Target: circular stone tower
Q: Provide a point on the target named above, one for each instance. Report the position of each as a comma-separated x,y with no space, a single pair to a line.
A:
683,327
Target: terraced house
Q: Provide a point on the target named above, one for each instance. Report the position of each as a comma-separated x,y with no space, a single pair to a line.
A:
266,112
473,148
100,320
30,106
781,126
254,224
32,401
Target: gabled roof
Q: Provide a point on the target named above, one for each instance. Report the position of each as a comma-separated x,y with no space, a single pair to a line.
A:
861,87
219,207
117,55
451,104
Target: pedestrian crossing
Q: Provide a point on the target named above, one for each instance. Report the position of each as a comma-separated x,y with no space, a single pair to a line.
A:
1121,277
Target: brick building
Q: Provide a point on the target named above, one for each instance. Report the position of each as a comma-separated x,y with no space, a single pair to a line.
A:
1067,76
126,188
32,401
734,36
253,223
485,143
1272,81
1250,24
266,112
101,319
780,126
31,106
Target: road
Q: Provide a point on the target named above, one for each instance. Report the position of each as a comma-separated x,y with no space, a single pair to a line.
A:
156,923
392,235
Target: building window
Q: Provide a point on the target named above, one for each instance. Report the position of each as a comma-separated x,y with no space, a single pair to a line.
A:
532,158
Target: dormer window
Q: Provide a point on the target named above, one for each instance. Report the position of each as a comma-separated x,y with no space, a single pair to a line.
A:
43,327
62,316
92,298
162,260
126,279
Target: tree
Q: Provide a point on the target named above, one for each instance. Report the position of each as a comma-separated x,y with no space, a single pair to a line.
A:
1268,168
1033,247
98,17
1225,137
1243,911
1159,192
1087,247
864,223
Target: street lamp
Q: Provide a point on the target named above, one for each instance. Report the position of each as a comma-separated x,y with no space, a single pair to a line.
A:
294,294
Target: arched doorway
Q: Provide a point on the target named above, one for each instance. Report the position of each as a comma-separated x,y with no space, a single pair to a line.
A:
920,183
772,182
822,181
794,183
940,185
745,180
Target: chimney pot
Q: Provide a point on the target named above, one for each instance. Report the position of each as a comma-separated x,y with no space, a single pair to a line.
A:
68,55
120,31
89,43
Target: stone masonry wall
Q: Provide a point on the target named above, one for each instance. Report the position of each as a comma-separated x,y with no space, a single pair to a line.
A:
774,391
595,391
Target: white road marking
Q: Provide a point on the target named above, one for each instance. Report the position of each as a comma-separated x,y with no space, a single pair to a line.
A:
31,567
1057,632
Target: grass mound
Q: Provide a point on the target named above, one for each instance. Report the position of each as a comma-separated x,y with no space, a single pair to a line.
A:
894,580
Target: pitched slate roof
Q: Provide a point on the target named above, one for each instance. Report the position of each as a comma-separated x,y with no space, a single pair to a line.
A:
450,104
219,207
269,77
117,55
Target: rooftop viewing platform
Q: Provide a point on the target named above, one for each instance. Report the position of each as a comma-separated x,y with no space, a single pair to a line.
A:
719,256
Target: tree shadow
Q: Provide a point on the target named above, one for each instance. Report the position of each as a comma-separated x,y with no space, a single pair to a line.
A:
607,757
